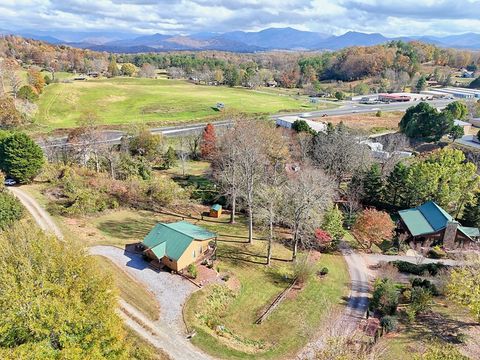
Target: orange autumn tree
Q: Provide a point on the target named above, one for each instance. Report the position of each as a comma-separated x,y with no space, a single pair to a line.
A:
372,227
209,141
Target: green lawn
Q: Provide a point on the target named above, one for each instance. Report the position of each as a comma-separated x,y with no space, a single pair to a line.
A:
126,100
447,323
287,330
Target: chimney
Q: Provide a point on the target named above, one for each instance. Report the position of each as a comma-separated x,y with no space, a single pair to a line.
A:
450,234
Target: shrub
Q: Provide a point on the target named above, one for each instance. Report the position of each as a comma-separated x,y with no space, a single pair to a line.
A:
391,251
27,92
11,209
324,271
436,253
421,301
426,284
302,270
443,351
389,323
379,113
192,270
385,297
409,268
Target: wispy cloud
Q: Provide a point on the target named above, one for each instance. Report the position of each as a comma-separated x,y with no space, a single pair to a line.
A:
407,17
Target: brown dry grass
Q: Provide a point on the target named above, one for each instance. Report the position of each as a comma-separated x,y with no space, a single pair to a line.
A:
368,122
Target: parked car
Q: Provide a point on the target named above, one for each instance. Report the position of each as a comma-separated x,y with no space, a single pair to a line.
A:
9,182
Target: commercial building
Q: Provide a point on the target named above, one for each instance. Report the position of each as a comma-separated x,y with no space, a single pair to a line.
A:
457,92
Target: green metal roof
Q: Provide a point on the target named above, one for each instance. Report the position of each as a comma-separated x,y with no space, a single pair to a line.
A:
160,250
471,232
173,239
425,219
217,207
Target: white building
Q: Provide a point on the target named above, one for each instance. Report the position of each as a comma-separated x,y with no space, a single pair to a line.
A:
287,123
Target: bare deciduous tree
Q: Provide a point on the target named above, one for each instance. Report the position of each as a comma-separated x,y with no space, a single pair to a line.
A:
308,194
226,172
339,153
147,71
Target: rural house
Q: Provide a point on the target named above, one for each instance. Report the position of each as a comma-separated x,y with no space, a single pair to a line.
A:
429,225
178,244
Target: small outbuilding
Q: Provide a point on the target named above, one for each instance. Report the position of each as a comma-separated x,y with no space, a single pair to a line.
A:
216,211
178,244
466,126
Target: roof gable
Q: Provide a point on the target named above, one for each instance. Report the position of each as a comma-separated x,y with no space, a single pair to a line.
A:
173,239
435,215
425,219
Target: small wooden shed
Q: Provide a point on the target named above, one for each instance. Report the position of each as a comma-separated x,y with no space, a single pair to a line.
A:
216,211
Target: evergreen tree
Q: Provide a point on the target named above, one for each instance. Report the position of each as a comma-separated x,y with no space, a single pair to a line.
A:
170,159
471,213
396,186
458,109
330,128
373,186
20,157
333,223
456,132
302,126
421,84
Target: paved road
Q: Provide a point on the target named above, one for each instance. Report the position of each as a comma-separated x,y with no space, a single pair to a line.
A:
114,136
41,217
351,107
348,107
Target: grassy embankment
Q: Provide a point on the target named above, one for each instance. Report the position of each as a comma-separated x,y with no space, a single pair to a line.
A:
120,101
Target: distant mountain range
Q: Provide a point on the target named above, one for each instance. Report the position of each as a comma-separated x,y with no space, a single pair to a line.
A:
235,41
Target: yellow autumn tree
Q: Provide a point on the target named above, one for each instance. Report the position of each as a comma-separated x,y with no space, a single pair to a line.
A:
54,303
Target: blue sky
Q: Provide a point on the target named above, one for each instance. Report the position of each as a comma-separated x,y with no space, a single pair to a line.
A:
392,18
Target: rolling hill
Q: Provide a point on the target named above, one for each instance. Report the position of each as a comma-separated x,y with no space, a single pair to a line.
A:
236,41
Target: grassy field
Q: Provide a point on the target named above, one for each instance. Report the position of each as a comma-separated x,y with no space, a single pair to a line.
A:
158,101
130,290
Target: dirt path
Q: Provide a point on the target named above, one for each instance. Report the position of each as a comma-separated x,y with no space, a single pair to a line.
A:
41,217
345,324
158,333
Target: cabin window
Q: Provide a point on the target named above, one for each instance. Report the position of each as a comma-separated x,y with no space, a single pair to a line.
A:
193,255
200,249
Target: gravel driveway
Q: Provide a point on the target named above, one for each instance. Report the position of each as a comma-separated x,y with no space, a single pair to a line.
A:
170,290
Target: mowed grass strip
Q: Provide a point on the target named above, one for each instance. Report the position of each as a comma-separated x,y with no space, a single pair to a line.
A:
162,101
131,290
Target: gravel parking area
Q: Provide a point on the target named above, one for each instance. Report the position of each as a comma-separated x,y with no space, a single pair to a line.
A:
170,290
